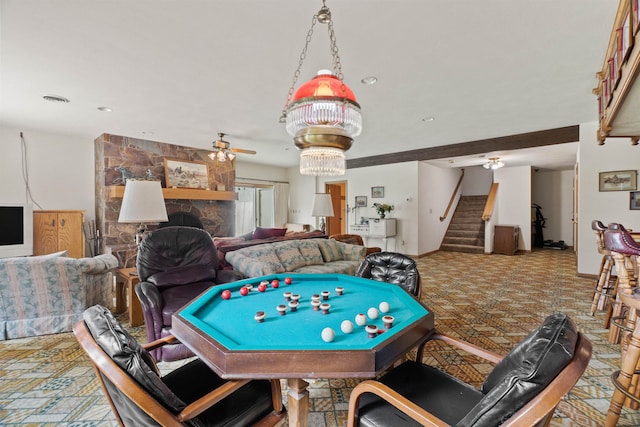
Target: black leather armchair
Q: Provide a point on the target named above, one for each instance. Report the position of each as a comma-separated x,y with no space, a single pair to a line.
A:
523,389
394,268
175,264
191,395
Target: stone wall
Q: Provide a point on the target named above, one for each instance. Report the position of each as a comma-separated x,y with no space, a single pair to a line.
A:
117,156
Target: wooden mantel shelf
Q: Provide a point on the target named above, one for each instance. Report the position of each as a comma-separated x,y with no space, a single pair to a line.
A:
117,191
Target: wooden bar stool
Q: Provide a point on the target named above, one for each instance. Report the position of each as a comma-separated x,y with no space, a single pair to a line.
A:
605,286
617,239
625,250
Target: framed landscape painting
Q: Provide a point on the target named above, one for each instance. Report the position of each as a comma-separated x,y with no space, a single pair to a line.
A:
618,180
186,174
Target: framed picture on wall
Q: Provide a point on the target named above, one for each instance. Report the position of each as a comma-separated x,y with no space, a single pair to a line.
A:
377,192
361,201
186,174
618,180
634,200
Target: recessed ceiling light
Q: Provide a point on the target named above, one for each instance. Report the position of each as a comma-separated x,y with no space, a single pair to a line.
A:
369,80
105,109
146,132
56,98
428,119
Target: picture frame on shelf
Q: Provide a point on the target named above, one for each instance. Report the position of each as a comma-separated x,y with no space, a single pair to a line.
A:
377,192
361,201
618,180
186,174
634,200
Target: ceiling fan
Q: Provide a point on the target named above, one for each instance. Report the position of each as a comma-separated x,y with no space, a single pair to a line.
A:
222,151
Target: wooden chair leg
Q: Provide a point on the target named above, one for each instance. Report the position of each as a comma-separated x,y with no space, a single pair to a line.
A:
622,379
604,288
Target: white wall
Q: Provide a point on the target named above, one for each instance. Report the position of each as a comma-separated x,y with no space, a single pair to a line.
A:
477,181
400,190
514,194
607,206
60,168
553,192
435,187
259,172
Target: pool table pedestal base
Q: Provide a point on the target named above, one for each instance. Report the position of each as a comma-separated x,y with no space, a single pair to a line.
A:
298,402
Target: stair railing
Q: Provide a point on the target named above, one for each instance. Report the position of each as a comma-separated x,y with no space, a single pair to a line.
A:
491,201
453,197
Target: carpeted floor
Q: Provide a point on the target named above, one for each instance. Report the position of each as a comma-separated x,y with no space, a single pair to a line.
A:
490,300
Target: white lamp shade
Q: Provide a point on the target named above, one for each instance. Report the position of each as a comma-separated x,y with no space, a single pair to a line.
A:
322,205
143,202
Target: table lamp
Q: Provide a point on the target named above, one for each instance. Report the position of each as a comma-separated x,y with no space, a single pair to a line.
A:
322,207
142,203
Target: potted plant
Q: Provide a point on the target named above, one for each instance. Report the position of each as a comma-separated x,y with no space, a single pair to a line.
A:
383,208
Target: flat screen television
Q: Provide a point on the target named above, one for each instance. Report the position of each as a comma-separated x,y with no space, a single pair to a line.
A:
16,230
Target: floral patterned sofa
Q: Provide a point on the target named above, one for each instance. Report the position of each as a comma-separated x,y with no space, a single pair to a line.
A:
47,294
297,256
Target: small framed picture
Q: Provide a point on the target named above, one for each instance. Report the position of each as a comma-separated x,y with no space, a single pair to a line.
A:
618,180
634,200
185,174
377,192
361,201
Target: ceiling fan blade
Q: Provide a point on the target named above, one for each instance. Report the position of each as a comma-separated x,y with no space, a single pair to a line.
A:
242,150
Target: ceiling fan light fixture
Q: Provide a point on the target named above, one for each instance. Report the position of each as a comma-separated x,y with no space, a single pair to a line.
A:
325,104
493,163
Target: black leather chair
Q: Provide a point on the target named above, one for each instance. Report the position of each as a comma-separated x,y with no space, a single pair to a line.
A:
175,265
392,267
192,395
523,389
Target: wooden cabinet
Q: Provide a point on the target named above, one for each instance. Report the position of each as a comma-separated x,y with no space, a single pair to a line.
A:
505,239
55,231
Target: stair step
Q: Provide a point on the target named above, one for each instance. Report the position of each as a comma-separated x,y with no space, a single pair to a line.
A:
462,248
468,226
465,233
470,241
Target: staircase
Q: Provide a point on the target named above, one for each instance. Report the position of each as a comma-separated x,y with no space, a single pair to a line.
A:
466,230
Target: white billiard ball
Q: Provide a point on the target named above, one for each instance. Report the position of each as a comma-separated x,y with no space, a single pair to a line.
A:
384,307
372,313
328,334
361,319
346,326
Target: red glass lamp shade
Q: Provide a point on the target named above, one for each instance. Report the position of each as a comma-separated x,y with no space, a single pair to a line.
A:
324,100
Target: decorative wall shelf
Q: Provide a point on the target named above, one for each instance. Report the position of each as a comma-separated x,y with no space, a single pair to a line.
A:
117,191
618,89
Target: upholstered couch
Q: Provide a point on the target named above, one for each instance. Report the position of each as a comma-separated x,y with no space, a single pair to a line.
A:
47,294
259,236
297,256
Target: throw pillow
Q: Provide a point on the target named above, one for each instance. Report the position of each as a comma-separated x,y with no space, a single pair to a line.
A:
330,250
290,256
310,251
265,233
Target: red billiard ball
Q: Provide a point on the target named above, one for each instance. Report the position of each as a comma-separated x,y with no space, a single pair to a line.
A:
287,280
244,291
275,283
226,294
262,287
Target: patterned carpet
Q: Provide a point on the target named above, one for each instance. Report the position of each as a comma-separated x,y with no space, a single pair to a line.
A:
492,301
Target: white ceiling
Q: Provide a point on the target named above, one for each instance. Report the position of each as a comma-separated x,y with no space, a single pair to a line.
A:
181,71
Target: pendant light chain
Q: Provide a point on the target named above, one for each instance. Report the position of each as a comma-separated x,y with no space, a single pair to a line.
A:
324,16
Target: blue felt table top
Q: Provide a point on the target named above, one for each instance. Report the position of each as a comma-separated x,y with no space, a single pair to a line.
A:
231,322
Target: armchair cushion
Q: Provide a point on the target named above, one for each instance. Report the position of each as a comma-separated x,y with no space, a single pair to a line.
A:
182,275
129,355
525,371
178,296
